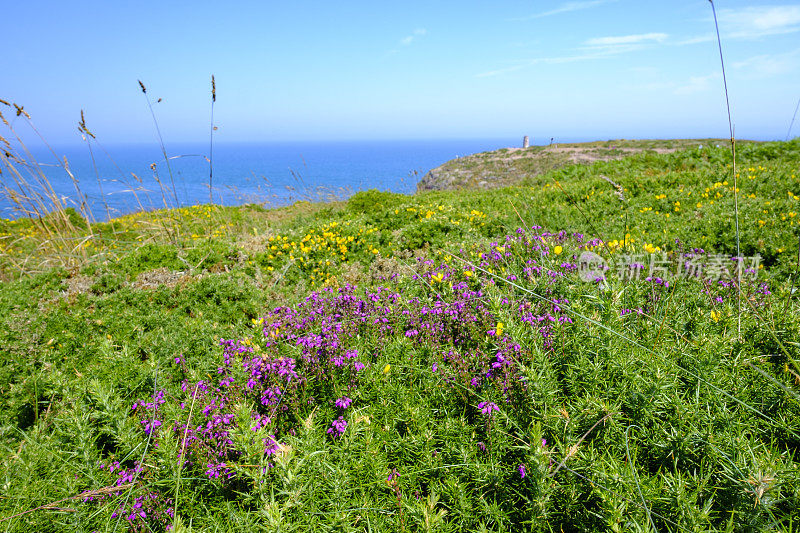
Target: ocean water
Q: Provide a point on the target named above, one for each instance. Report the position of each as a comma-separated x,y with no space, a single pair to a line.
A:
272,174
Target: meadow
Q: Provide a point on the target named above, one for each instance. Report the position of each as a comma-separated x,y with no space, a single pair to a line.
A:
428,362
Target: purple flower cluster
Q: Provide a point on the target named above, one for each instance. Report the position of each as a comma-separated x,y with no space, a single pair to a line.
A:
343,402
218,470
147,509
487,408
150,423
314,356
337,427
658,281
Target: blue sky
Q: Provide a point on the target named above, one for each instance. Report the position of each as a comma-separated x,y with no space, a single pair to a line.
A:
585,69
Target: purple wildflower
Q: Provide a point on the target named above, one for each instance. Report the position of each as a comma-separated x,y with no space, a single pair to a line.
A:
337,427
487,407
343,402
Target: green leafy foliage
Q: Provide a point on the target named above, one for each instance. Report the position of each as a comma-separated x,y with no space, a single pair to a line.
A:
616,405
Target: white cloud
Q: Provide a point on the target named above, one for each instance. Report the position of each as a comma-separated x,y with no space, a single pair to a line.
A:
692,85
627,39
596,48
769,65
568,7
752,23
623,43
408,39
697,84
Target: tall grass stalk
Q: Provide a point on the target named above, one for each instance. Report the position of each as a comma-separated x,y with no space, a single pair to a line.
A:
33,196
794,116
40,195
739,258
144,453
594,483
636,477
211,143
793,275
182,452
86,134
160,141
124,180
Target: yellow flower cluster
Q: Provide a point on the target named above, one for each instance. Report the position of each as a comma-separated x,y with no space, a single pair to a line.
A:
444,213
627,244
321,248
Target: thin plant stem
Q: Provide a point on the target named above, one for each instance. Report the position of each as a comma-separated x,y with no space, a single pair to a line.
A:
735,178
794,278
123,179
99,181
636,478
89,493
211,143
183,450
574,448
618,495
789,131
161,142
144,453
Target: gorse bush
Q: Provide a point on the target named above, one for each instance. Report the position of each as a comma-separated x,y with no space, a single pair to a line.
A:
605,372
532,413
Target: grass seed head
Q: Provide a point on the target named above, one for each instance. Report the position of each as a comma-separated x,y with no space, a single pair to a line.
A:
21,111
82,126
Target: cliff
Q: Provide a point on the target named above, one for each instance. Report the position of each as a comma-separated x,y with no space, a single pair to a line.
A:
507,166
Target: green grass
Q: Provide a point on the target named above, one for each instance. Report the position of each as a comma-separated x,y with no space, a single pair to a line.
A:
666,418
507,167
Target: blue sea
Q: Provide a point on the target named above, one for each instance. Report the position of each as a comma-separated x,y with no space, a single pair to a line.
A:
118,179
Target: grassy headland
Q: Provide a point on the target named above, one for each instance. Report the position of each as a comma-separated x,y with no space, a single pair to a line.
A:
430,362
511,166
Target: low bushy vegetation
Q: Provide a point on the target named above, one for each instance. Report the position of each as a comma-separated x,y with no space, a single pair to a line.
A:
437,362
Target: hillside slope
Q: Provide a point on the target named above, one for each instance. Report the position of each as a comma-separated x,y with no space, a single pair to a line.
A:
432,362
508,166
